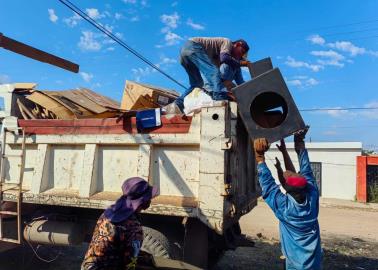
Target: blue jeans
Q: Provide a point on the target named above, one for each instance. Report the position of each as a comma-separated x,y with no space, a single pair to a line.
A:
201,71
229,73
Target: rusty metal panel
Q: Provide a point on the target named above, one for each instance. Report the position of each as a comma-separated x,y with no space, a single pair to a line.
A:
28,51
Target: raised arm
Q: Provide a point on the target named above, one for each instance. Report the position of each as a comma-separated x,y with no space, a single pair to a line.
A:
304,161
271,192
289,166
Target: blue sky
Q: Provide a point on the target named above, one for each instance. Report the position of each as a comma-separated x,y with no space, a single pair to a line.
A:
326,50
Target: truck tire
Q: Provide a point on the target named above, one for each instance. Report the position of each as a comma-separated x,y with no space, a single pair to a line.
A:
157,244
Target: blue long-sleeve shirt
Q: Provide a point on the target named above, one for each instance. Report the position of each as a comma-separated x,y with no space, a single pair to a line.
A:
299,227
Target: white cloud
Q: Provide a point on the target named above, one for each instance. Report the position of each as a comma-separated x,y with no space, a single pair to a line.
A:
302,81
134,19
108,27
4,78
72,21
94,14
110,49
167,60
295,82
312,82
316,39
331,57
88,42
291,62
86,76
372,114
172,38
130,1
118,16
170,21
348,47
52,15
373,53
174,4
195,26
330,133
139,73
337,112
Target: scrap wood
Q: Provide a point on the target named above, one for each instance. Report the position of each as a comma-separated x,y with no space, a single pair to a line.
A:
75,108
26,114
79,98
142,96
52,105
99,99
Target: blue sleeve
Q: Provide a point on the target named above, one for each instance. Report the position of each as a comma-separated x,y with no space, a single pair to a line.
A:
305,167
228,59
271,192
238,76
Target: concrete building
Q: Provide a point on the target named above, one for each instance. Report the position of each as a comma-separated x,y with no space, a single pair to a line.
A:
333,163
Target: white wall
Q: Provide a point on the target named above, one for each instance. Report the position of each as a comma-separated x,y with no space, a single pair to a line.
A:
338,165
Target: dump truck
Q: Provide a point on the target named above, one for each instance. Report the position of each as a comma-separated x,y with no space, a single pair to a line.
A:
61,175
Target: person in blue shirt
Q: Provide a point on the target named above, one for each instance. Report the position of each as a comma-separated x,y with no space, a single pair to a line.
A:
295,202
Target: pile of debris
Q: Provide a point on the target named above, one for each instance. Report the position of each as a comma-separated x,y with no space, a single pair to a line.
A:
83,103
69,104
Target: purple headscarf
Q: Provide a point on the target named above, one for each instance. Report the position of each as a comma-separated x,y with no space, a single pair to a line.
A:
136,191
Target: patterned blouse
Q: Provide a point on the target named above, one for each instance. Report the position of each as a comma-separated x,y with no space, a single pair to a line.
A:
113,245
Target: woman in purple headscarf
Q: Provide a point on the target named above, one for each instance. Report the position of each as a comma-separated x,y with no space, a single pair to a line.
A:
118,235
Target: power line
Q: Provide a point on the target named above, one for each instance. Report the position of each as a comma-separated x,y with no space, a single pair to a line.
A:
327,163
349,32
83,15
339,25
338,109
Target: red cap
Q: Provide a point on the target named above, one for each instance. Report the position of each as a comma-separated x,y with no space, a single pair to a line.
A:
296,181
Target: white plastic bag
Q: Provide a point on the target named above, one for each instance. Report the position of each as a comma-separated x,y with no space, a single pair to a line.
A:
196,100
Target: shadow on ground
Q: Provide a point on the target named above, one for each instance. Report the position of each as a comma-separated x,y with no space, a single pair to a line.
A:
339,253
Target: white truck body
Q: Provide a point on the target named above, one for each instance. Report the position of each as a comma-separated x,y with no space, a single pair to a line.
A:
207,173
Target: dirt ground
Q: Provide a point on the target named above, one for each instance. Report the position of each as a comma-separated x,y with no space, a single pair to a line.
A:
349,240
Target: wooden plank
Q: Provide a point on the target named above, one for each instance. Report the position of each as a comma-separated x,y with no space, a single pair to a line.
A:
24,85
31,52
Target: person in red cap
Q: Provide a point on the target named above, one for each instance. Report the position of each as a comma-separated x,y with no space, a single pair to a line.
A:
118,235
295,202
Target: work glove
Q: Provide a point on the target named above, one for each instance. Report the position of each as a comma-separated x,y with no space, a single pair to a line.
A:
260,146
299,137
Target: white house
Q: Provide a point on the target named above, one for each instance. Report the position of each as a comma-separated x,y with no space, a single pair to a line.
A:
334,166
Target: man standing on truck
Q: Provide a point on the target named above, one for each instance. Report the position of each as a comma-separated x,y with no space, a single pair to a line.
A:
118,235
212,64
296,204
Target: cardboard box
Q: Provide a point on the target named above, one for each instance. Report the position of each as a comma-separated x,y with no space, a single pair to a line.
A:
138,96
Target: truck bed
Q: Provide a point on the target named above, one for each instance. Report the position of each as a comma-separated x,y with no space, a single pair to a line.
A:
203,165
